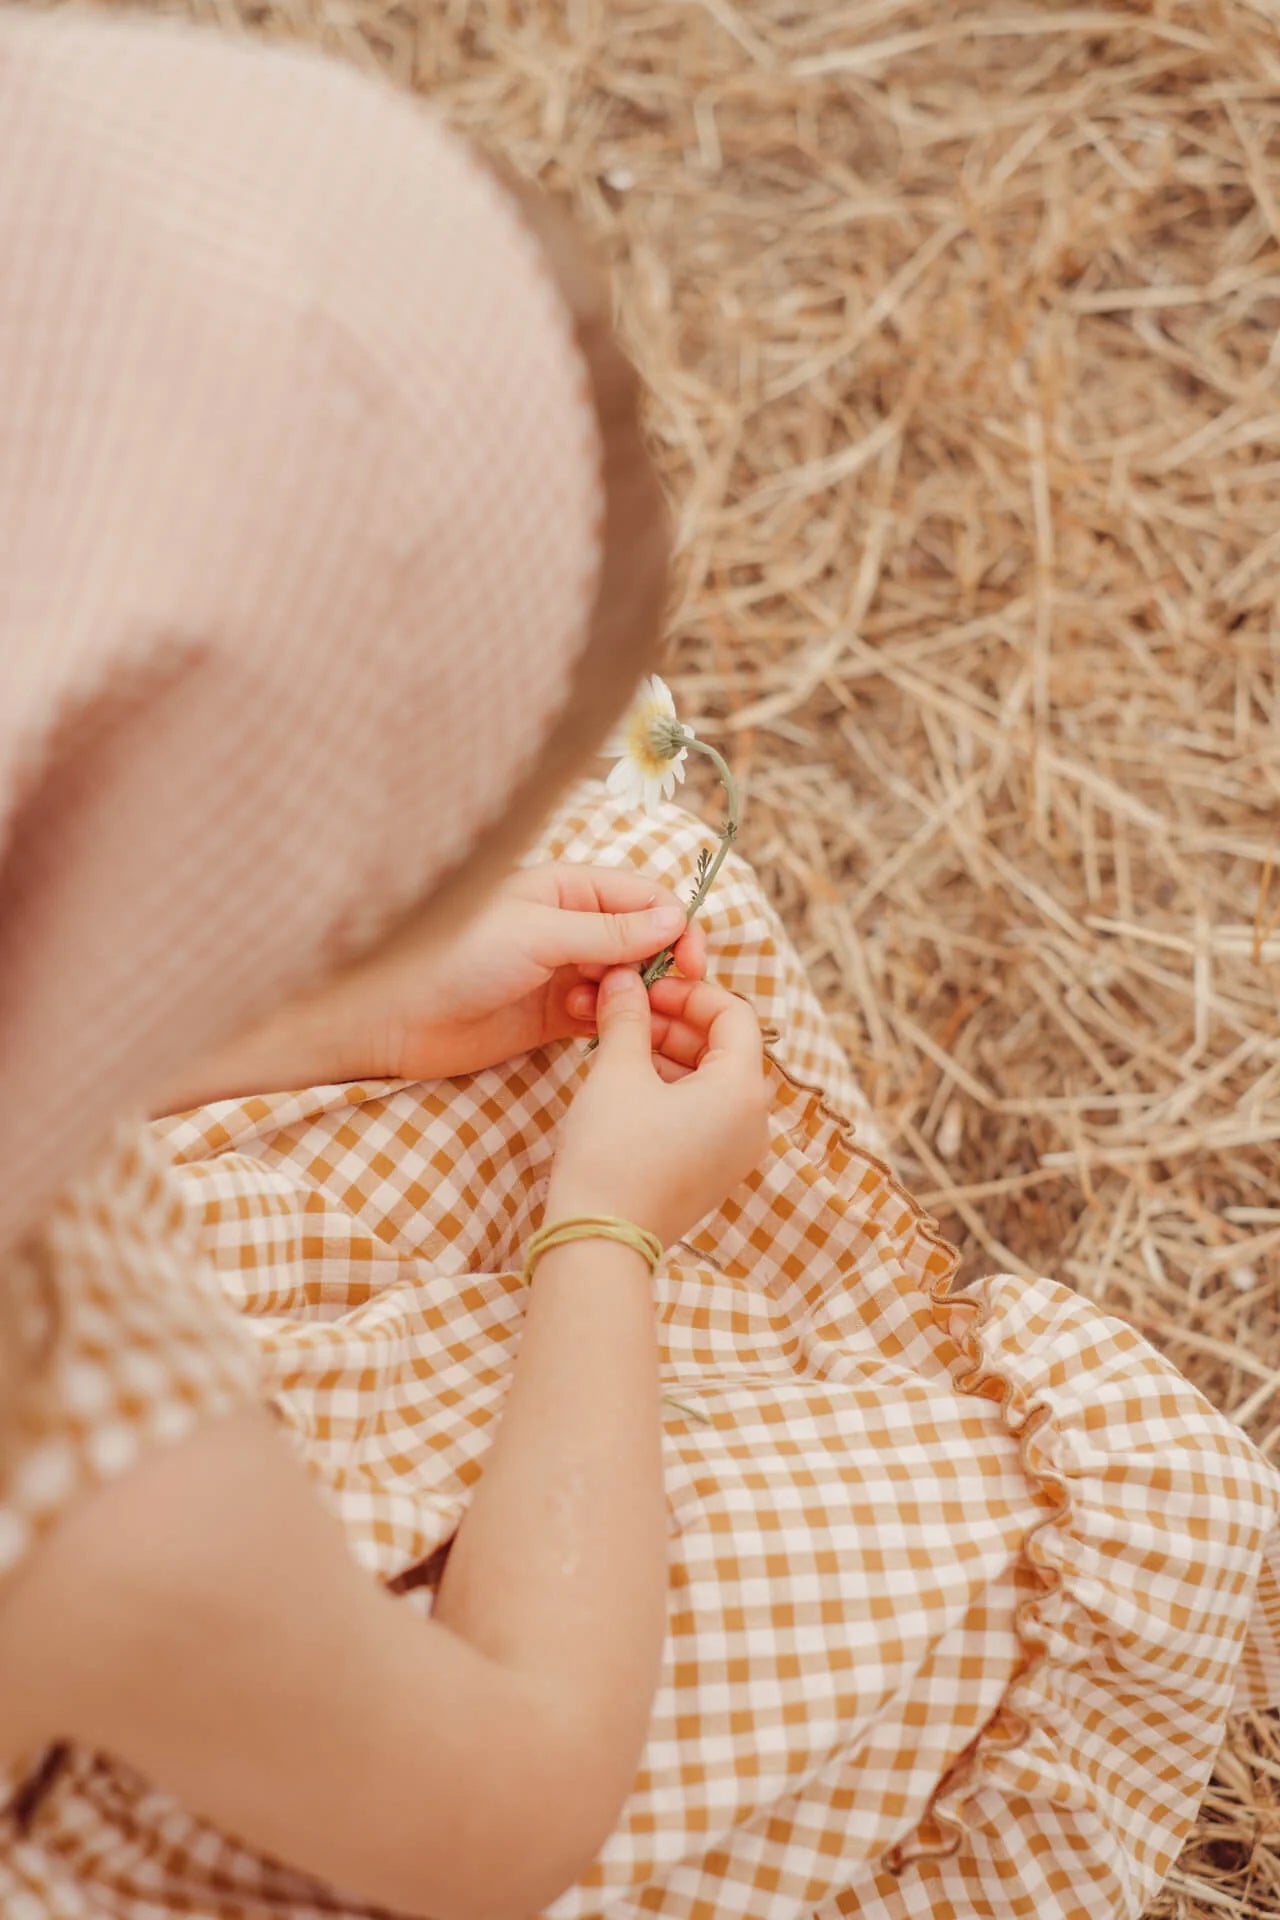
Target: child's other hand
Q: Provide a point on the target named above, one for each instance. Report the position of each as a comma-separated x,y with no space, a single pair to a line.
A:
675,1110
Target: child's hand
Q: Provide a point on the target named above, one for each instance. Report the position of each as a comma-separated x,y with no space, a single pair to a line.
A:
519,975
674,1113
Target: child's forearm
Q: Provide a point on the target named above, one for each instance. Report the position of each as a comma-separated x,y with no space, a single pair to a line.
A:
299,1045
559,1570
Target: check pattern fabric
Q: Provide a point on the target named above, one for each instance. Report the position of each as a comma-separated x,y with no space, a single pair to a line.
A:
963,1584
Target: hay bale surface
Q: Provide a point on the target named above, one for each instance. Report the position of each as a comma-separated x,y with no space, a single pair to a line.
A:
961,324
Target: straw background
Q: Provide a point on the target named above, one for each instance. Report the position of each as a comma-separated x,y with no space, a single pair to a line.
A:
961,322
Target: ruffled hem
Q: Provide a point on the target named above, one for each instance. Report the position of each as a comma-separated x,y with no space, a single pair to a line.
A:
963,1320
942,1831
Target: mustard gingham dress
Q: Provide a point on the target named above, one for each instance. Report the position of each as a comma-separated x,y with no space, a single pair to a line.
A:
962,1586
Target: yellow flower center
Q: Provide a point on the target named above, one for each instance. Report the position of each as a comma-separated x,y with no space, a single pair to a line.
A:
653,739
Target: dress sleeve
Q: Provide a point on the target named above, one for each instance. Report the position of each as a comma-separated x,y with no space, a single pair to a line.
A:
137,1345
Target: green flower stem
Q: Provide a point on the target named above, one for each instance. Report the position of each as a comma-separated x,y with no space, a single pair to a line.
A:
662,963
690,1413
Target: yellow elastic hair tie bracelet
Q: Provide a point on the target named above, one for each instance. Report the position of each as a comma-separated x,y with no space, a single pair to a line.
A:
606,1226
592,1226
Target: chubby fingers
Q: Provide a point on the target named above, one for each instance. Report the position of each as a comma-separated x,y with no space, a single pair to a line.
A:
690,951
689,1020
675,1046
556,937
587,889
677,1042
705,1023
618,893
621,895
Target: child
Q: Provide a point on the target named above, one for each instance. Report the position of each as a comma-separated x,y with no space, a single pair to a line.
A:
351,1558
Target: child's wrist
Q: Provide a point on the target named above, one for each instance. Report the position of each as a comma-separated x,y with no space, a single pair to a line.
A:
592,1258
569,1199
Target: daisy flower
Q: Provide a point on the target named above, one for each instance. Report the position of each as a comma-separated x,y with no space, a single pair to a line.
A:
649,749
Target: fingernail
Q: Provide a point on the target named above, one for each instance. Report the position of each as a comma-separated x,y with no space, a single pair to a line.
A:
582,1002
667,920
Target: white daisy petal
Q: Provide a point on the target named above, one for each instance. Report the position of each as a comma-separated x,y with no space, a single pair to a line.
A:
647,751
661,695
